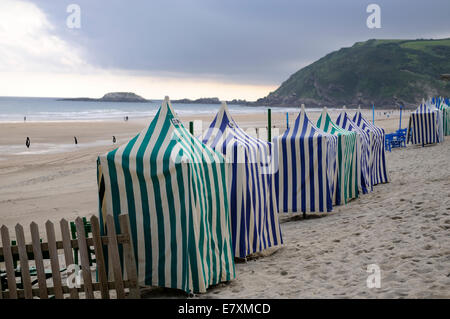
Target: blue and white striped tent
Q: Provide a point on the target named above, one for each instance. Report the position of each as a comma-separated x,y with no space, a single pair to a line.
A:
173,187
306,167
251,185
443,105
435,106
425,125
377,160
363,145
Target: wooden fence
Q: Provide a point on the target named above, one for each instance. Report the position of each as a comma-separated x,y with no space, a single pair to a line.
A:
107,278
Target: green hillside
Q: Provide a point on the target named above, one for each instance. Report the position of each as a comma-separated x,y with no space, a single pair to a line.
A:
385,72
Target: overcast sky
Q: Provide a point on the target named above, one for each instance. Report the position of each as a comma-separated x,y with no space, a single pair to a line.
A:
188,48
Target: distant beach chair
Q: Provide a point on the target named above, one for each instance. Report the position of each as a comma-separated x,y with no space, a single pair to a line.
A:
401,136
395,140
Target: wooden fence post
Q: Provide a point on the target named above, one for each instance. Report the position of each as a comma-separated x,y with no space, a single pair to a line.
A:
24,265
85,268
130,261
54,262
101,266
12,288
68,257
114,255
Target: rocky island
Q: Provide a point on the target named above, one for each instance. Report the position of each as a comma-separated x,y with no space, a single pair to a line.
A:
211,100
112,97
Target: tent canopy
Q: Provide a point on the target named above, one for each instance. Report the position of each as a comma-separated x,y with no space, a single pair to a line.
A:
425,125
378,163
441,104
173,187
306,167
251,185
363,150
346,185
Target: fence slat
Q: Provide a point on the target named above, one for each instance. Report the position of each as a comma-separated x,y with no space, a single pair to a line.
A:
36,292
44,246
10,273
86,270
114,255
24,265
100,260
130,261
68,257
37,251
53,251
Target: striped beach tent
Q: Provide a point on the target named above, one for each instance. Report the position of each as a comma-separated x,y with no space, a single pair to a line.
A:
306,167
445,108
174,189
435,107
363,150
440,103
425,125
348,172
377,161
251,185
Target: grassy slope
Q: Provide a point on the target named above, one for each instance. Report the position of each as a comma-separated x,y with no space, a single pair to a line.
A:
383,71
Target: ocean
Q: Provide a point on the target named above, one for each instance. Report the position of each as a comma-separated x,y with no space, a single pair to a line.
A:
14,109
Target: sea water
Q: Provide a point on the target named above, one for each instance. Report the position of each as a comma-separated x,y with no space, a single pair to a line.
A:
14,109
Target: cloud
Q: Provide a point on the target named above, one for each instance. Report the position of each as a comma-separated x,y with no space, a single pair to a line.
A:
250,41
28,41
41,57
222,45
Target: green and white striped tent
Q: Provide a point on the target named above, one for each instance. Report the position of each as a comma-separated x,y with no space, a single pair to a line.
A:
348,172
174,189
441,104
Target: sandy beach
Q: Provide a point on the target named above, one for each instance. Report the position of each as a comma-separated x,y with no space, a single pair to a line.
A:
402,226
56,179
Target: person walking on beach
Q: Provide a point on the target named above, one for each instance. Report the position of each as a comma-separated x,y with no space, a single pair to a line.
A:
28,142
114,139
76,141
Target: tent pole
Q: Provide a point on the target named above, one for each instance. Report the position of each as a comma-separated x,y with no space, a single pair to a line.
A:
191,127
287,120
373,113
269,125
400,125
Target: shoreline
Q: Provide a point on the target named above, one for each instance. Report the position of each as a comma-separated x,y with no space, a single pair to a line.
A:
52,137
